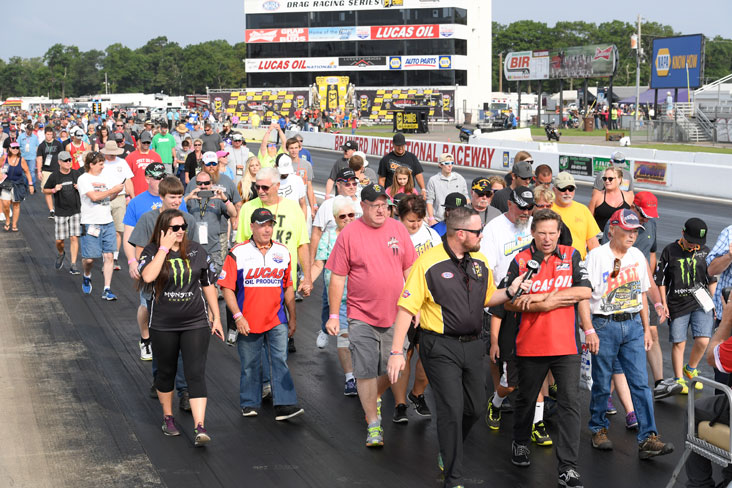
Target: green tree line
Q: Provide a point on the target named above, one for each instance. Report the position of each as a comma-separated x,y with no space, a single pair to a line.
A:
526,35
158,66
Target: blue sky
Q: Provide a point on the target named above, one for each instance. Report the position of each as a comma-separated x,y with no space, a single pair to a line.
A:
30,31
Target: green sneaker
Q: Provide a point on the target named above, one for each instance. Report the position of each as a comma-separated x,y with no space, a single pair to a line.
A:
493,415
375,437
539,434
684,386
691,374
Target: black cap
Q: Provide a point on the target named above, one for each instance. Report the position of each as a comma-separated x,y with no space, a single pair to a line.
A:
372,192
350,145
523,197
155,170
397,198
262,216
481,185
455,200
399,139
346,174
695,231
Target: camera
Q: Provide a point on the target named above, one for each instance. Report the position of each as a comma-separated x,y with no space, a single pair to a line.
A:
205,194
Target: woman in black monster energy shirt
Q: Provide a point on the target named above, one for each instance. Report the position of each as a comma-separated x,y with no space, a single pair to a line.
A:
184,298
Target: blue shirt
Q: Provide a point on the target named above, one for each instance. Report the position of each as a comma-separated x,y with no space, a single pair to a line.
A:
144,202
305,154
32,142
725,277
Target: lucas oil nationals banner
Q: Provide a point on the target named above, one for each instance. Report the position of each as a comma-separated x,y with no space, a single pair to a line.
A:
379,105
426,151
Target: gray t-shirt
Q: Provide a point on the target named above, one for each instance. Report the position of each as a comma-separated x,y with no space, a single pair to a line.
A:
145,226
488,214
229,189
213,213
211,142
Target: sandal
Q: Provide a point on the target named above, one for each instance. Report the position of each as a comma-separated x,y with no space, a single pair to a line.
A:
15,229
7,227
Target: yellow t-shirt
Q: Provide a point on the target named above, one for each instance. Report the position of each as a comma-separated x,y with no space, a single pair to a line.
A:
290,227
581,224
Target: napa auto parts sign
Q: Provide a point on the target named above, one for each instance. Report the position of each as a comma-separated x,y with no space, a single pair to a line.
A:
360,33
284,6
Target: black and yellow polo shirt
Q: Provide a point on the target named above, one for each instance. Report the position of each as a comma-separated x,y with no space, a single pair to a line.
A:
450,293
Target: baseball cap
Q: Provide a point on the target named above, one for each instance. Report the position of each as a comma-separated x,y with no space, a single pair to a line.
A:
399,139
455,200
626,219
350,145
210,157
262,216
397,198
345,174
155,170
145,137
481,185
64,156
119,137
695,231
78,132
523,197
222,154
237,137
617,157
523,169
284,165
15,144
372,192
446,157
647,203
564,179
148,122
363,156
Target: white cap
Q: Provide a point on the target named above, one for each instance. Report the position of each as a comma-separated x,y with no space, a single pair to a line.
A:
284,165
210,157
363,156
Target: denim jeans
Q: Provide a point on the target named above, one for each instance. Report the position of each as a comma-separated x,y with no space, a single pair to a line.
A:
253,363
325,312
624,341
180,377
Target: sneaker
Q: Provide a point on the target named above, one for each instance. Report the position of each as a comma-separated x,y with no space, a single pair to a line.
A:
631,421
539,435
249,412
493,415
600,440
375,436
291,345
116,265
691,375
570,478
440,464
51,215
553,391
684,386
507,406
350,389
420,404
267,391
322,340
153,391
169,427
86,285
108,295
378,408
665,388
298,296
284,412
653,446
611,410
74,270
60,260
145,350
202,438
400,414
185,401
520,454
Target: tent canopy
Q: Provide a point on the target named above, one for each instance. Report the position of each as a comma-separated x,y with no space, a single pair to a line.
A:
648,96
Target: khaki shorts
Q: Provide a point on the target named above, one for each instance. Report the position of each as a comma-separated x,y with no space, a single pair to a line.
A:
118,206
370,348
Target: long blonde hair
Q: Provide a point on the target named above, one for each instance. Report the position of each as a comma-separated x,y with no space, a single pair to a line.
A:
245,184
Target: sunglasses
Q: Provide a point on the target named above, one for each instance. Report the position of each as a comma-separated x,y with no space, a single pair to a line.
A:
447,163
569,188
177,228
349,215
608,178
348,183
144,142
212,163
616,268
548,205
199,145
526,209
262,187
477,232
203,183
485,193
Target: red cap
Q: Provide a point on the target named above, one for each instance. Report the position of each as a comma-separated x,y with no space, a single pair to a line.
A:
647,202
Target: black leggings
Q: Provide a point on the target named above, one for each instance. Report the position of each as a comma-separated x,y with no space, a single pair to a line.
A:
193,346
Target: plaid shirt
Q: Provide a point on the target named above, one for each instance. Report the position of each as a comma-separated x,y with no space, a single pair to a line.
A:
725,278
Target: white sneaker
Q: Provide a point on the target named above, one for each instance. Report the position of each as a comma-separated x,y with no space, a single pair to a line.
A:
145,351
322,340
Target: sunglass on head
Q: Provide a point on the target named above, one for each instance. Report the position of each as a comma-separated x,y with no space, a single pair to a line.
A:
349,215
211,163
608,178
477,232
616,268
566,189
176,228
262,187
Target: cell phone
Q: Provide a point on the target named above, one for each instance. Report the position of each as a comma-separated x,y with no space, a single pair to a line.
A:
205,194
725,293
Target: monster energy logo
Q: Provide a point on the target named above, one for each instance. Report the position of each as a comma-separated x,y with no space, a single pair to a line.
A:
459,202
688,270
179,266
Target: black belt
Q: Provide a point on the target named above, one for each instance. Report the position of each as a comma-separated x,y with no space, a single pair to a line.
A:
461,338
619,317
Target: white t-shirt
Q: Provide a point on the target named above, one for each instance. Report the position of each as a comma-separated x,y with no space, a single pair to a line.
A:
425,238
501,241
324,217
94,212
621,294
292,188
116,172
237,158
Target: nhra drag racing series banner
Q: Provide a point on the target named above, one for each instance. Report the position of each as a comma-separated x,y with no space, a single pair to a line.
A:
287,6
267,102
379,105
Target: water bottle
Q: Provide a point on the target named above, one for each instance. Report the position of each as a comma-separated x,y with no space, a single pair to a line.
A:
232,336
